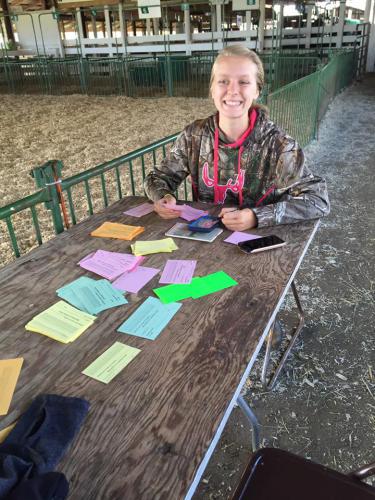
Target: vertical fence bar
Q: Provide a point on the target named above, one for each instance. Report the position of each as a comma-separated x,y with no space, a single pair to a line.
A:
13,238
71,206
88,196
118,181
132,177
34,216
104,189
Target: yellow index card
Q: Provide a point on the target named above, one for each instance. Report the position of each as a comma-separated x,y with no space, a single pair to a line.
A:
111,362
118,231
4,432
9,372
153,246
61,322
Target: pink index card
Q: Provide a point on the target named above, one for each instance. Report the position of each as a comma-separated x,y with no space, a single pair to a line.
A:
187,212
190,213
109,265
178,271
140,210
238,236
133,281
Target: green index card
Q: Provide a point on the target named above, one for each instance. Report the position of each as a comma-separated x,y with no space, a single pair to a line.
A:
212,283
111,362
174,293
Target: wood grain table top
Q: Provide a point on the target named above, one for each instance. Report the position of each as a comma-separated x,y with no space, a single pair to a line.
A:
148,430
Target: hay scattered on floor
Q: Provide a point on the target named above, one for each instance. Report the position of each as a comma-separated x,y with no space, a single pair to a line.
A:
81,131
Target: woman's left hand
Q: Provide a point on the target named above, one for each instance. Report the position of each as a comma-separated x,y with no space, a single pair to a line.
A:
238,220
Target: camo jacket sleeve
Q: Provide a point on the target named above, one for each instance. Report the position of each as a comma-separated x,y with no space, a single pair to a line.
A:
298,194
166,177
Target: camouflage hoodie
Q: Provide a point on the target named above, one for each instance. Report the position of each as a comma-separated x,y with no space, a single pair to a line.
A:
265,171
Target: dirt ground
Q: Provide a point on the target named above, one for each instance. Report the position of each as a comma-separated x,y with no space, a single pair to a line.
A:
324,404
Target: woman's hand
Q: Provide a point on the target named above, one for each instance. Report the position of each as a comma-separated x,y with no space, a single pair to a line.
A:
164,207
238,220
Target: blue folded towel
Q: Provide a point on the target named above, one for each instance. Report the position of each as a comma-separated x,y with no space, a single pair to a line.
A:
40,438
48,486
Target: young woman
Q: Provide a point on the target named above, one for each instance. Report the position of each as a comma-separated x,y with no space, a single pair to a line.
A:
238,157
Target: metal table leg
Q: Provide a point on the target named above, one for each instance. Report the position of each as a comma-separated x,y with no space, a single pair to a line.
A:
269,385
250,415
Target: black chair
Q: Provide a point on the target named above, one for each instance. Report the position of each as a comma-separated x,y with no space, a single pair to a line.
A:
274,474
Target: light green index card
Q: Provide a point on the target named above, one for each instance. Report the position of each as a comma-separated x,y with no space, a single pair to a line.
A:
153,246
111,362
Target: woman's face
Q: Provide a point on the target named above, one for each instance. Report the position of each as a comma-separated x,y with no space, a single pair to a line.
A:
234,86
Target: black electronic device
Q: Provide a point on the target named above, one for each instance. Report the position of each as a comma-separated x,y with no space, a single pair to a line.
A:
261,244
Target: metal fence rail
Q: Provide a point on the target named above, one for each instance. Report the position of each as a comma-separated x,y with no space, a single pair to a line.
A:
162,75
297,107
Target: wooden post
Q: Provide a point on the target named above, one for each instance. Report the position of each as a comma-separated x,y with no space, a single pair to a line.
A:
187,30
60,41
340,28
83,21
219,25
262,22
213,19
280,27
155,22
370,66
7,22
93,23
122,27
107,20
80,30
248,26
308,26
366,17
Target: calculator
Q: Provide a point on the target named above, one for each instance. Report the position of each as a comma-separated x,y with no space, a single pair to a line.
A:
204,224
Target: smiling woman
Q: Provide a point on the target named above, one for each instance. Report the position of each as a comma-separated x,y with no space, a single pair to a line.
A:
239,157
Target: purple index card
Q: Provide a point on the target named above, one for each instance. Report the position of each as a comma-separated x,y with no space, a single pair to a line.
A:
186,211
238,236
133,281
140,210
178,271
109,265
190,213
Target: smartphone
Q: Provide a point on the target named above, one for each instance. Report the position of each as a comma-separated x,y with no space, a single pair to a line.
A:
261,244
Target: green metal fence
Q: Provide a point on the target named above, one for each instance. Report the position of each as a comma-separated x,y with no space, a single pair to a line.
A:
297,107
158,76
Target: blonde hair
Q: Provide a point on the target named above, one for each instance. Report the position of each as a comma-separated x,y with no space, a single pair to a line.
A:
241,51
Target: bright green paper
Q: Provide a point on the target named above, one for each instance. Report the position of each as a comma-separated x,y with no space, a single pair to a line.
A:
212,283
198,287
111,362
174,293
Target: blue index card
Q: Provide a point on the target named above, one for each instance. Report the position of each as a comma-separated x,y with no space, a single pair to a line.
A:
150,318
91,296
